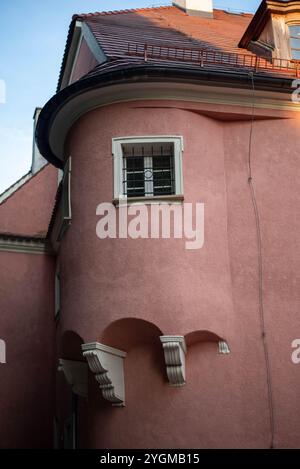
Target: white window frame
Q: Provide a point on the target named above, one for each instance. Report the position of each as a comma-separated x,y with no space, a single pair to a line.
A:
117,153
290,37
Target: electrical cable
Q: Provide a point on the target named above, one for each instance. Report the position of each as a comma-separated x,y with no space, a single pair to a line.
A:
260,267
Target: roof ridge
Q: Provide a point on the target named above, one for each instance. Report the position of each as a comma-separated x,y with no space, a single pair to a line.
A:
161,7
118,12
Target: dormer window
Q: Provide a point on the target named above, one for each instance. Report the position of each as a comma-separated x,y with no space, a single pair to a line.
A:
276,23
294,31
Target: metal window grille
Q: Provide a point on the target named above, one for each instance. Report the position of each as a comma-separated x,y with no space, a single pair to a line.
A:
148,169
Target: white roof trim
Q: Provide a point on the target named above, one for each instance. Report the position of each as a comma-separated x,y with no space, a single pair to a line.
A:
93,44
71,55
82,31
12,189
17,185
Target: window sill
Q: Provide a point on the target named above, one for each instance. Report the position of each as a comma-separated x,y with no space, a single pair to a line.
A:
178,199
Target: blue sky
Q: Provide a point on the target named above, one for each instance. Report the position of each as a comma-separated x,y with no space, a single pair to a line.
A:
32,38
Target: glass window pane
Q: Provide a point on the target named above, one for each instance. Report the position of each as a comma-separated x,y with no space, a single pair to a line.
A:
295,43
163,175
134,184
295,54
295,30
135,163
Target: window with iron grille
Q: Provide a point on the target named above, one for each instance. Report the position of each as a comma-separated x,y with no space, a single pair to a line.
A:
148,167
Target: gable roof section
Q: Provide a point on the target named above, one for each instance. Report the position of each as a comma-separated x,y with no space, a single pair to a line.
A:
15,187
79,33
170,26
119,34
28,209
171,35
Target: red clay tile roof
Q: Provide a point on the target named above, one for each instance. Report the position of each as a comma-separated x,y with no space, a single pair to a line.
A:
117,12
170,26
167,25
173,37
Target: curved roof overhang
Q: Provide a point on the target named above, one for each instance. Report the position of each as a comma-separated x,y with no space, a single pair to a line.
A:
139,82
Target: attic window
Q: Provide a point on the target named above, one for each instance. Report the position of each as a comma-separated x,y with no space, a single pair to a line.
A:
295,41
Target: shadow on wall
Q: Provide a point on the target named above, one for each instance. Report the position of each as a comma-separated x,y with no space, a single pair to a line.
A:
70,346
128,333
169,352
202,336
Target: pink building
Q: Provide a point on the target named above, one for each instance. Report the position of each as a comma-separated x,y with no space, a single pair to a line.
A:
149,342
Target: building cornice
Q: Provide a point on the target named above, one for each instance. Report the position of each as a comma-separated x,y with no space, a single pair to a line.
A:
24,244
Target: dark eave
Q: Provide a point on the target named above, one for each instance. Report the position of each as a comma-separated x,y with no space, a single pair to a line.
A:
151,73
20,237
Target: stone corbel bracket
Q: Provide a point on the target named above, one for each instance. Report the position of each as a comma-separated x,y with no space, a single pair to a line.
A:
76,374
107,364
175,351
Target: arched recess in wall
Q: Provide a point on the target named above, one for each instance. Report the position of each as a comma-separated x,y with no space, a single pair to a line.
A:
202,337
207,354
70,346
140,340
128,333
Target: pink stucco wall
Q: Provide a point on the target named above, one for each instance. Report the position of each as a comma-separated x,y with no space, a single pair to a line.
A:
276,170
85,62
225,401
28,210
27,326
27,319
